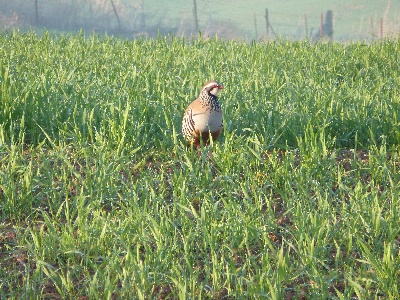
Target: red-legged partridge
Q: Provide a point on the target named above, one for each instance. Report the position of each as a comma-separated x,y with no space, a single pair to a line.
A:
203,117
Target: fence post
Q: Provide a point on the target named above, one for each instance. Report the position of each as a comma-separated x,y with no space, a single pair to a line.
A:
268,24
306,24
36,12
255,24
329,25
196,21
116,16
321,26
371,23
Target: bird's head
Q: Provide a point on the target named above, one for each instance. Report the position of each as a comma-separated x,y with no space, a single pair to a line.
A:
212,87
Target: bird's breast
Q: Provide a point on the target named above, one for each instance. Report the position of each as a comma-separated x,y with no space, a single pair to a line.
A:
207,121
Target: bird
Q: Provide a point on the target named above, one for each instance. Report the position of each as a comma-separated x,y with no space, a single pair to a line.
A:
203,117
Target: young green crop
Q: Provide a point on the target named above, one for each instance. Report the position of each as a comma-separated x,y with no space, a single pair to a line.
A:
99,197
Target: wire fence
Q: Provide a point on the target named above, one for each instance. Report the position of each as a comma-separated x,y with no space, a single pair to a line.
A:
245,20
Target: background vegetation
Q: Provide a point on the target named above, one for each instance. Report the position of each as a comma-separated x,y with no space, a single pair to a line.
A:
245,20
99,198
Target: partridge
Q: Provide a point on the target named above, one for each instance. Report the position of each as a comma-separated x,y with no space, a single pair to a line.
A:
203,117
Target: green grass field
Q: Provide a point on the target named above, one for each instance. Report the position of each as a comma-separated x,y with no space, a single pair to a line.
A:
99,199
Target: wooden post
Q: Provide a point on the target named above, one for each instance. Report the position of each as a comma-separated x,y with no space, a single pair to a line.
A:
321,26
268,24
306,24
36,12
196,21
328,26
255,25
116,15
381,28
371,23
